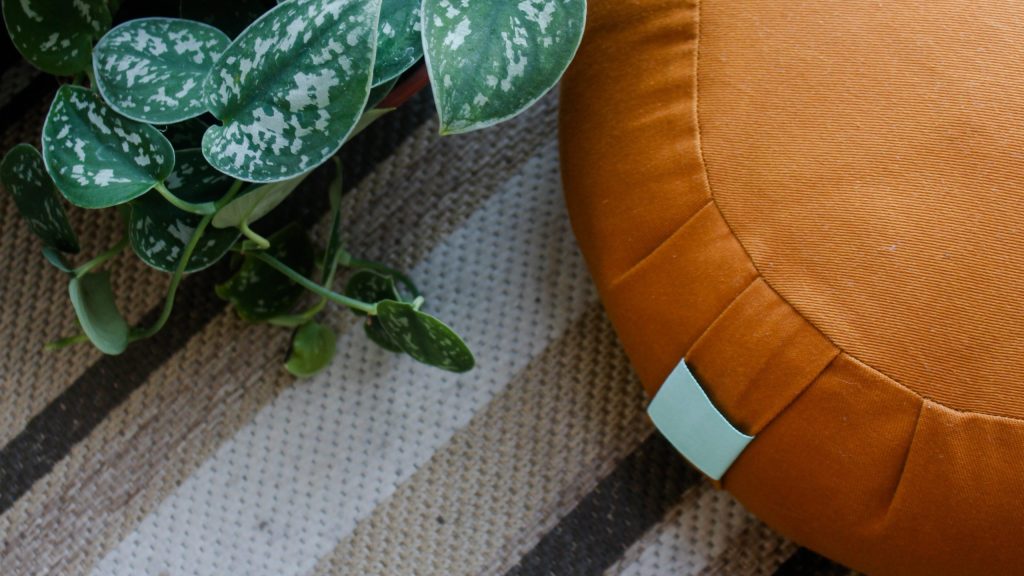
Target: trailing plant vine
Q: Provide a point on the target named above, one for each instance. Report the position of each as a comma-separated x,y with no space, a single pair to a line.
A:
197,127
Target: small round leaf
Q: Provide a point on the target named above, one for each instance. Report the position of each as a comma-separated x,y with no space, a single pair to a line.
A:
98,158
152,69
93,300
313,348
259,292
56,35
159,231
24,175
424,337
489,61
371,287
290,88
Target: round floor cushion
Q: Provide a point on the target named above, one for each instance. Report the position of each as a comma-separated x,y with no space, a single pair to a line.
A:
819,206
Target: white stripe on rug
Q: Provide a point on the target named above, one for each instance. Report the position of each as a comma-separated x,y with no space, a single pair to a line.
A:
293,482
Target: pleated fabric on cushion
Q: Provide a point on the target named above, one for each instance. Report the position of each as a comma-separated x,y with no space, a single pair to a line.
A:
818,205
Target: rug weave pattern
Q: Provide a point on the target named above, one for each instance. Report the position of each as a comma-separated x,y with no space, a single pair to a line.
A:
196,454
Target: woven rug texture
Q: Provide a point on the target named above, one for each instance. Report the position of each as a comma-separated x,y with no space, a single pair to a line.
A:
195,454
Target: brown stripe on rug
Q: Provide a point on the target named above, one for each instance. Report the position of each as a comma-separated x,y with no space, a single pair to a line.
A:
628,502
521,462
152,442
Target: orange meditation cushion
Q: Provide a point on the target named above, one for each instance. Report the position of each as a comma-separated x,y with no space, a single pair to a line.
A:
818,205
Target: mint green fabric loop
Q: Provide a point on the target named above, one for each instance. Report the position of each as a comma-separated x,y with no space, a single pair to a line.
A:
684,414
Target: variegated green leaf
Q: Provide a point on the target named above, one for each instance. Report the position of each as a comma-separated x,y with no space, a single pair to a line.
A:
152,69
159,232
256,202
98,158
399,45
56,35
376,333
290,88
93,301
231,17
313,347
488,61
424,337
24,175
257,291
371,287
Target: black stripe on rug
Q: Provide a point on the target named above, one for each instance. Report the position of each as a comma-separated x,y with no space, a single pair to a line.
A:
803,562
51,434
606,522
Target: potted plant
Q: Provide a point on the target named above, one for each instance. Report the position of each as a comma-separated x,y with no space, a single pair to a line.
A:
196,127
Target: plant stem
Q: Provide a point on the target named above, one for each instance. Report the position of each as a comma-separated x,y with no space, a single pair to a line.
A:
296,320
260,242
101,258
65,342
179,272
313,287
204,209
353,262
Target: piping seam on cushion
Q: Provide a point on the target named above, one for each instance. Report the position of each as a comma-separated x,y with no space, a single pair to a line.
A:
687,418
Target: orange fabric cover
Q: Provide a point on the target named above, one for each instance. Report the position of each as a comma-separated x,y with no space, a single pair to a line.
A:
848,286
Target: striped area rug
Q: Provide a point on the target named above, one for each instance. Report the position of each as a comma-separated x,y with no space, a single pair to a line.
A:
194,453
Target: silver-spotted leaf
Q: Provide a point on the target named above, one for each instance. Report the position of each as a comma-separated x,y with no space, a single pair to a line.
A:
424,337
93,301
256,202
24,175
259,292
313,347
56,35
371,287
399,45
231,17
98,158
159,232
376,333
152,69
290,88
488,61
